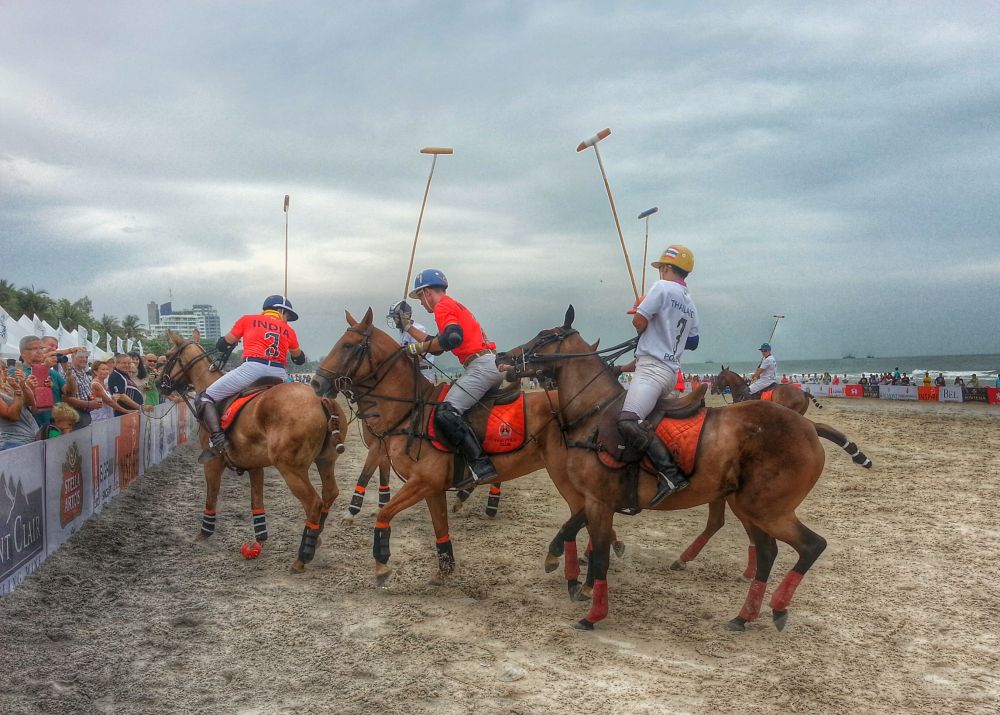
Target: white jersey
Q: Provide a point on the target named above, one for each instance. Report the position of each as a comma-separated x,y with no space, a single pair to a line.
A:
672,320
426,361
769,366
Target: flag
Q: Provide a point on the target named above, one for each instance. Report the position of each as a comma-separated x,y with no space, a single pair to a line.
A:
128,345
286,203
139,347
95,337
119,347
107,342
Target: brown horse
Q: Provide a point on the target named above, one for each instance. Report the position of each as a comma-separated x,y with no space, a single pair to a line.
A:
285,427
394,402
761,458
787,395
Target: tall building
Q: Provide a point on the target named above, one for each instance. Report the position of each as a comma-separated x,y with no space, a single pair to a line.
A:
153,312
202,317
213,325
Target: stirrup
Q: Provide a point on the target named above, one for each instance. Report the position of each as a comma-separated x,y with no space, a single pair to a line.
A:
667,487
474,480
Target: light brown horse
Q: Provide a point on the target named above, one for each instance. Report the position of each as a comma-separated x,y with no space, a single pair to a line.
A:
376,374
762,459
790,396
285,427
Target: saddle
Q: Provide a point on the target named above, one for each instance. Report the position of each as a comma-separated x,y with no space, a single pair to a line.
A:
678,424
767,394
498,420
231,407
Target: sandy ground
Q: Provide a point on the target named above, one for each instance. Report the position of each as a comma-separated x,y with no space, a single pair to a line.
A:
897,616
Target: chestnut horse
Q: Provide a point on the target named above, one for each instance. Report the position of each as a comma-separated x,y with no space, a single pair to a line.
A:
790,396
285,427
376,374
763,459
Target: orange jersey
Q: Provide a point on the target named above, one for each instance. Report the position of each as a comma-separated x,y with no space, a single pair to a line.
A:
450,312
266,337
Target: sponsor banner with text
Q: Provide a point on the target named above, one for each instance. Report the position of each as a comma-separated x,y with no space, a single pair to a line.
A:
897,392
927,394
69,498
854,391
993,395
950,394
22,513
975,394
104,469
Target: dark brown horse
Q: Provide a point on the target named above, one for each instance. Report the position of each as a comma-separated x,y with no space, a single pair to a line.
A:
394,402
787,395
285,427
762,459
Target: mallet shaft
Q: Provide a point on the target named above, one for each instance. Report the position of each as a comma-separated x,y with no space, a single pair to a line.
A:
413,251
614,212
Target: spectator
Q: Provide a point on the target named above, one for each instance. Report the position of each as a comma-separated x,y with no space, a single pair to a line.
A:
836,380
784,379
904,380
17,424
959,382
63,419
895,376
997,382
863,380
121,386
33,352
78,393
150,387
939,380
827,379
974,380
99,388
927,379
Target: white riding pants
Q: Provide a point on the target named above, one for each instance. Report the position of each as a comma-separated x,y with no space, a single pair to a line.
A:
243,376
651,381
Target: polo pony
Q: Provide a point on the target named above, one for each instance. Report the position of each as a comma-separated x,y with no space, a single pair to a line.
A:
285,426
762,459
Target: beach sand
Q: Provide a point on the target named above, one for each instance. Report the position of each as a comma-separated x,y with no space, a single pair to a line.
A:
898,615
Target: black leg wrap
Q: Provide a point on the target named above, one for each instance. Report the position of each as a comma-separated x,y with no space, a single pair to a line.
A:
357,499
322,518
260,526
383,496
446,557
380,547
567,532
207,524
493,502
307,548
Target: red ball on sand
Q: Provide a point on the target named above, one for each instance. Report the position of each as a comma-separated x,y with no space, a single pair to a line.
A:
251,551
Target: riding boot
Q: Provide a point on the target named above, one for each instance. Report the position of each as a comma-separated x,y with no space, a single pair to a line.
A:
210,419
668,476
458,432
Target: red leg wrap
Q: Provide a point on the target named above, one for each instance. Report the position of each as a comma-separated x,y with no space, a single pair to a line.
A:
783,596
755,596
751,568
695,548
570,561
590,548
599,605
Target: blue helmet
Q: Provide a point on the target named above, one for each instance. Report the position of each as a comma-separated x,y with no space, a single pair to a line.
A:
280,302
428,278
765,347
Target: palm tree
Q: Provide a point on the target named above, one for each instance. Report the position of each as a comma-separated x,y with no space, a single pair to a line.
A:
9,295
130,327
69,314
35,302
109,324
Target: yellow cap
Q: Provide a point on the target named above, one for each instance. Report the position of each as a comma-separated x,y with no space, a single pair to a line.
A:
679,256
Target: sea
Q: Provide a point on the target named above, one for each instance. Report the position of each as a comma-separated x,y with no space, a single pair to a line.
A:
985,367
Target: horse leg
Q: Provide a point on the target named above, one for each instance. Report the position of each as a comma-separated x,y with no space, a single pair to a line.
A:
383,482
259,516
462,495
297,479
767,551
716,518
599,523
493,501
358,498
325,464
809,546
213,480
437,503
411,492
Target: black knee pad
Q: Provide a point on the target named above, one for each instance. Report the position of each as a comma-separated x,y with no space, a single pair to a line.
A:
446,417
632,432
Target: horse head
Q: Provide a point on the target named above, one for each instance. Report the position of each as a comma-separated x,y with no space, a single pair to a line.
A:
354,357
184,354
539,357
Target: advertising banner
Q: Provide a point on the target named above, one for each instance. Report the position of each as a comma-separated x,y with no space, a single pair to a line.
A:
166,428
182,424
127,450
104,470
870,390
897,392
854,391
69,499
927,394
22,513
950,394
975,394
993,395
148,455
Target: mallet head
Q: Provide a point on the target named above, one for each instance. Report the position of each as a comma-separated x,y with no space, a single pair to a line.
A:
437,150
648,212
594,139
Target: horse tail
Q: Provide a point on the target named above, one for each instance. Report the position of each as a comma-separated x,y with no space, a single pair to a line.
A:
815,401
838,438
334,424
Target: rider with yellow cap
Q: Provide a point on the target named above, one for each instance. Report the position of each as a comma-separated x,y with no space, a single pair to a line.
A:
667,322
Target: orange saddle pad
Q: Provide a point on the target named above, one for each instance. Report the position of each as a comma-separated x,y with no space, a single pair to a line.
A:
504,427
234,408
681,437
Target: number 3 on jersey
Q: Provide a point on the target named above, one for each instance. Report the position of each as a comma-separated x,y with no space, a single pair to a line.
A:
272,340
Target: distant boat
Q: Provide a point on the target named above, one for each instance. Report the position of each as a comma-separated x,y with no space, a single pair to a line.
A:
709,362
869,356
848,357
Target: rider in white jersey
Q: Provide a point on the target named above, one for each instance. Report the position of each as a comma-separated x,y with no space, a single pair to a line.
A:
400,317
667,322
766,374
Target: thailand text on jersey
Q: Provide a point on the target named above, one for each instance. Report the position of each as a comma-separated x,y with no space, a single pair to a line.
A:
450,312
672,319
266,336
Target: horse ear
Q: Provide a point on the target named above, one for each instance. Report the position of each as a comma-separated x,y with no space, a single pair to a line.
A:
196,335
350,318
593,348
570,316
369,316
174,337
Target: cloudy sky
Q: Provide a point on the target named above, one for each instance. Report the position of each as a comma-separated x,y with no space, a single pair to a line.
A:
837,164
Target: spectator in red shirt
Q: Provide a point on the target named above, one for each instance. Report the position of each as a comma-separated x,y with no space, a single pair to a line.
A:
459,332
268,339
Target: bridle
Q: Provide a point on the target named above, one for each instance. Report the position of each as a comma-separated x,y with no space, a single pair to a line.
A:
168,384
361,353
531,355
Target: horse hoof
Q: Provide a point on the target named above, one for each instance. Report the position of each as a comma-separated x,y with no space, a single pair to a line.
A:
583,625
347,521
619,548
574,588
382,574
780,619
737,625
551,563
678,565
297,568
202,536
583,594
457,506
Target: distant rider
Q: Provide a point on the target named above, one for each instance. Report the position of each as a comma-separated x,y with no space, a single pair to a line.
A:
667,322
766,374
459,332
401,318
267,340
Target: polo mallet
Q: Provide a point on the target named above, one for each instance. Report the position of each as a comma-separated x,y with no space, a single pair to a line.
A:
593,142
645,246
771,336
286,246
433,150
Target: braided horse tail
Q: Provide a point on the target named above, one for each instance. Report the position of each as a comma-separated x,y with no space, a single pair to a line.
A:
838,438
815,402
